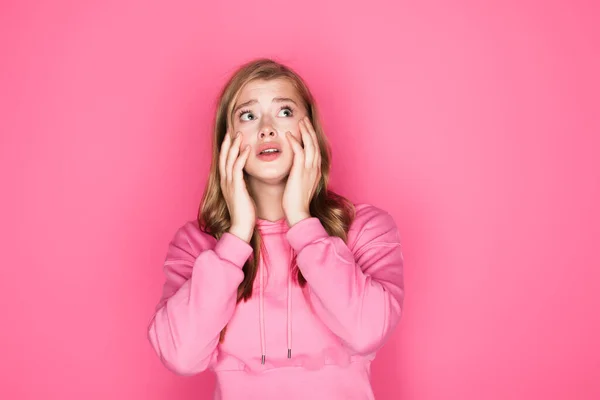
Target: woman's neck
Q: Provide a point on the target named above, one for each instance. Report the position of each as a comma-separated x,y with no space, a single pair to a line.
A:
268,199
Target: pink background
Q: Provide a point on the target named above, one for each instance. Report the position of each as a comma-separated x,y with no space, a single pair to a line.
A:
477,126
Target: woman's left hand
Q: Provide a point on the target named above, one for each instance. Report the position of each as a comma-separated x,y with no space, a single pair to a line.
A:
304,176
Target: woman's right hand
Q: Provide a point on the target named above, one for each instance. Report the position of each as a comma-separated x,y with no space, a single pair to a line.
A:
242,209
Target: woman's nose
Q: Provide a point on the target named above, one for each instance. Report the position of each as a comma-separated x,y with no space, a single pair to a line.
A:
267,132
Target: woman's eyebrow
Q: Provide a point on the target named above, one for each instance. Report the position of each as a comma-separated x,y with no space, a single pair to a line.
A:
245,104
254,101
282,99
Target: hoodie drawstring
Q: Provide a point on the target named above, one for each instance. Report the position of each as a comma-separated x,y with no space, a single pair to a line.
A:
289,310
262,315
261,305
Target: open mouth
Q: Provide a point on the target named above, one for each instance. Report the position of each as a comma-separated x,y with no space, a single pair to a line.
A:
269,154
269,151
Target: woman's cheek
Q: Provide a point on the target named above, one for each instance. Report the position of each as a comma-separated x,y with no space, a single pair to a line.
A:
288,125
295,131
246,134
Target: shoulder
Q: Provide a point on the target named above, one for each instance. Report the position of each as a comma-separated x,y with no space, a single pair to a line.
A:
369,216
366,212
190,239
372,224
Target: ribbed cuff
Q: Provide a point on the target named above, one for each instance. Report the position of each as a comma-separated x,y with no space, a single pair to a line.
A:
233,249
306,232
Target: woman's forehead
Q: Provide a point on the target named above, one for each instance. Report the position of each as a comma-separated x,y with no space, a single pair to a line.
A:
260,90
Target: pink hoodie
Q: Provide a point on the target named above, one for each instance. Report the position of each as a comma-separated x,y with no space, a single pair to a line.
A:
285,342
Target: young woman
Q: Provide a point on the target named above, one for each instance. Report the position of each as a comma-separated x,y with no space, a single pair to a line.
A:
283,288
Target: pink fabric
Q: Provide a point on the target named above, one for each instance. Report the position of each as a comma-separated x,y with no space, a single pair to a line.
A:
350,305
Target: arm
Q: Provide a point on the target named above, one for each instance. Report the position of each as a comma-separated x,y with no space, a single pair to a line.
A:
357,293
199,298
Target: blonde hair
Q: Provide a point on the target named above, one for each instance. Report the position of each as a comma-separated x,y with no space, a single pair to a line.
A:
335,212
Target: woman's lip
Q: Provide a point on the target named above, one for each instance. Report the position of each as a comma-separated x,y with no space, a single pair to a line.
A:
268,156
266,146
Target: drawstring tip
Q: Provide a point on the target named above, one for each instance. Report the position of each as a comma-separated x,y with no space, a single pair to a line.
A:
262,359
289,353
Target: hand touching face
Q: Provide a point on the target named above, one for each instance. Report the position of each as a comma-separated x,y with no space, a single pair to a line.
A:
263,113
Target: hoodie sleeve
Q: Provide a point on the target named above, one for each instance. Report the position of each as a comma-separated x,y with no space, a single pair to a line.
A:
357,291
198,299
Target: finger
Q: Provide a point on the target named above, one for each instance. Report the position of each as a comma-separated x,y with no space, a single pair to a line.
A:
313,135
223,154
296,146
309,147
238,167
310,127
232,156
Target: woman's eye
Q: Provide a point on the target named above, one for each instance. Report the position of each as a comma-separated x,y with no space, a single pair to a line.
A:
285,112
247,116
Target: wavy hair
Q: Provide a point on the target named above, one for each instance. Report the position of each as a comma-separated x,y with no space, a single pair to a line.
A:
335,212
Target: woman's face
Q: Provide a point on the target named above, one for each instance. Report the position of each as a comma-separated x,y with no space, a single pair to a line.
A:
263,113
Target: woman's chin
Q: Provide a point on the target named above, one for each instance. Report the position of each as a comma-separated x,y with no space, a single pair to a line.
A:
271,177
273,180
